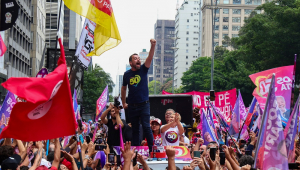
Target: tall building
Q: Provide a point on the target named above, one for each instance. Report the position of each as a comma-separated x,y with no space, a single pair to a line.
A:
186,38
38,30
143,55
19,42
118,86
228,21
3,72
72,28
164,31
52,14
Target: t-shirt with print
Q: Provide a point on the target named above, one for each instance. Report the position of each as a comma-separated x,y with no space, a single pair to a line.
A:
137,84
170,137
157,141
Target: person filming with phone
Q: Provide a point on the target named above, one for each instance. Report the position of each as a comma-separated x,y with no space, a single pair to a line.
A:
113,137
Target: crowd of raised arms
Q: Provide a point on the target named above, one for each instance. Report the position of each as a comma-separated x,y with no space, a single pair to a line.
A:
65,155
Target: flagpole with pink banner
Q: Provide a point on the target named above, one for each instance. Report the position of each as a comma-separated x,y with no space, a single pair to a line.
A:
293,82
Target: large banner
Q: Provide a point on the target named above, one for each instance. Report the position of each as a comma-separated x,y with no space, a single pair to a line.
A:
283,87
86,43
223,100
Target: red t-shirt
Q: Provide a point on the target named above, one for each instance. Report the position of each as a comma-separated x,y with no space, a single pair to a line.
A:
157,141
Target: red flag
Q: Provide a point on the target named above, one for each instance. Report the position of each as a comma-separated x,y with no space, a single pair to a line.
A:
2,47
48,112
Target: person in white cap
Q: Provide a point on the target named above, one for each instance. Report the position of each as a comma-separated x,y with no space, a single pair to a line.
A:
155,126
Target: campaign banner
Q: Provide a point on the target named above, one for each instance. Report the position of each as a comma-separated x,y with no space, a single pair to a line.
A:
101,103
223,100
283,87
6,108
181,152
86,43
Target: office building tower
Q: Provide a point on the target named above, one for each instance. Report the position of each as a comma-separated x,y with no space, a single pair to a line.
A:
186,38
164,31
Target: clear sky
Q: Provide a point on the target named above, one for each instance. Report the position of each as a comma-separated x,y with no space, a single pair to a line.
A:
135,20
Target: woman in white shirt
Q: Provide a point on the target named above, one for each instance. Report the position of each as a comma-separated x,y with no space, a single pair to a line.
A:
171,132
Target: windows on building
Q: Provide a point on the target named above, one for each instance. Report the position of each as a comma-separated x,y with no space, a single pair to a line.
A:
217,19
236,1
235,35
236,19
225,19
225,27
236,28
224,35
248,11
236,11
225,11
187,33
217,11
225,1
216,36
216,27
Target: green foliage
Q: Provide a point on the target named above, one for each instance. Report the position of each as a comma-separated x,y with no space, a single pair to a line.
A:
95,81
152,87
266,41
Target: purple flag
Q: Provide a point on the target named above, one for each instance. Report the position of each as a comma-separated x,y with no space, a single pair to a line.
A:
271,152
207,133
209,117
75,104
6,108
217,111
290,132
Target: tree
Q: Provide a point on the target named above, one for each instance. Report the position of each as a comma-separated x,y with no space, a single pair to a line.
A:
95,81
152,87
198,75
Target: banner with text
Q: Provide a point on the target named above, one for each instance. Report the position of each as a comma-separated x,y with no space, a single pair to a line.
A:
283,87
86,43
223,100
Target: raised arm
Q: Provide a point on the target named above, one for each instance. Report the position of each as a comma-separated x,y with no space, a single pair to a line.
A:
123,96
22,151
151,53
38,156
167,126
179,125
104,114
171,157
56,154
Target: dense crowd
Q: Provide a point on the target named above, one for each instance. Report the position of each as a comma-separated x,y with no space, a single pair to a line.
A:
21,155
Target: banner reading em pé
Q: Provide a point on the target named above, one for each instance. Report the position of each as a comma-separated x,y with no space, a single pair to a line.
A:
283,87
223,100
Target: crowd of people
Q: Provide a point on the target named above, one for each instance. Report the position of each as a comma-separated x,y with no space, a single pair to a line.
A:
21,155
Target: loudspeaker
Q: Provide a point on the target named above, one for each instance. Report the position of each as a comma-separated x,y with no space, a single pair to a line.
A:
183,104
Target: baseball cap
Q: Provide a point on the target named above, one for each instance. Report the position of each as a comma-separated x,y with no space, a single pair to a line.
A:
11,162
67,164
156,120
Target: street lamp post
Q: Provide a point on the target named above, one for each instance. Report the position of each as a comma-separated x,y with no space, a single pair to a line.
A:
213,8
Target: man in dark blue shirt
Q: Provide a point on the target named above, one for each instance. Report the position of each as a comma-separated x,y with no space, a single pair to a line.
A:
138,96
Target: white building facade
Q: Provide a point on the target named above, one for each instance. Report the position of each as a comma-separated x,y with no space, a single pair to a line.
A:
187,38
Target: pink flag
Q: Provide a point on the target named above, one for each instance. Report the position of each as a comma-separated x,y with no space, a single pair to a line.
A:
283,87
2,47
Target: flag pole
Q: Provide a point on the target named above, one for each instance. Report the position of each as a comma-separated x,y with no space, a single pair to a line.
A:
58,23
224,127
293,83
263,120
245,119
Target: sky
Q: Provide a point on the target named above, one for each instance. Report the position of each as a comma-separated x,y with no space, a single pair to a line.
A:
135,20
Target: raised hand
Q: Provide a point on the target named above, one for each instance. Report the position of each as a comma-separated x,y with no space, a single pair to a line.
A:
170,152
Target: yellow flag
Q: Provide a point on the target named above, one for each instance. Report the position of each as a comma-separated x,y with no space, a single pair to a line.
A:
106,34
